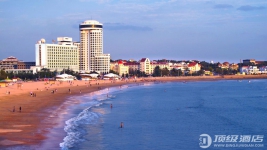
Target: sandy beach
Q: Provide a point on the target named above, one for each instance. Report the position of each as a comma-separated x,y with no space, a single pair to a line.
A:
25,127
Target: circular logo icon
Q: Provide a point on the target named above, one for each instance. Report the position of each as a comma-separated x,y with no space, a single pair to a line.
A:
205,141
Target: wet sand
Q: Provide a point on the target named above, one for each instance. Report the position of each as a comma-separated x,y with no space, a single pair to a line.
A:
26,127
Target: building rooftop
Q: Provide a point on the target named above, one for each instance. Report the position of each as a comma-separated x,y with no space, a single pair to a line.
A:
192,64
91,22
10,58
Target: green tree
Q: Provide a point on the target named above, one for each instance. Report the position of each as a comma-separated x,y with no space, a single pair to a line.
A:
174,72
200,72
218,70
157,72
165,72
225,71
3,74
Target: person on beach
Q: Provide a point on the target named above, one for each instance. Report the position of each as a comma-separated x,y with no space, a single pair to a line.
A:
111,106
20,109
121,126
69,90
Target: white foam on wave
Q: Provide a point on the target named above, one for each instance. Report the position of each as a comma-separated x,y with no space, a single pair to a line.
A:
73,126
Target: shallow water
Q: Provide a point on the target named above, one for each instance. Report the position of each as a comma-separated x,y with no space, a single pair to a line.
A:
167,115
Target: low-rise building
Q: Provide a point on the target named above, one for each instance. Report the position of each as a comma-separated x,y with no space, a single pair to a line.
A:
194,67
249,70
145,66
253,70
120,68
248,61
161,65
13,63
234,66
207,72
263,69
244,70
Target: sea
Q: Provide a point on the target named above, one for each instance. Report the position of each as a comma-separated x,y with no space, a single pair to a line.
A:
223,114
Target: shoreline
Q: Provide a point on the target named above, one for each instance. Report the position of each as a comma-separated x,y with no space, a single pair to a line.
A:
26,128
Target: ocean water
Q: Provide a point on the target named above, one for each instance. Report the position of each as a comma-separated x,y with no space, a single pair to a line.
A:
167,116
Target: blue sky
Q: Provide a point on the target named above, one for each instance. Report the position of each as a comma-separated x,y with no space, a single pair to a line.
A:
221,30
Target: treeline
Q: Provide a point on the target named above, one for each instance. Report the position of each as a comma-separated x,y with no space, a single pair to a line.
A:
43,73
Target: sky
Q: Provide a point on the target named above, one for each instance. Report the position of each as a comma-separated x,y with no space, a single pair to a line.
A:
221,30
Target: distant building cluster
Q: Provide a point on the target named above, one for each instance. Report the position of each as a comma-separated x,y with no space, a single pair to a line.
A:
147,66
87,56
249,66
65,54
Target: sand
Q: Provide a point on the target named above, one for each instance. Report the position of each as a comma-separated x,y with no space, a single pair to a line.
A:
25,127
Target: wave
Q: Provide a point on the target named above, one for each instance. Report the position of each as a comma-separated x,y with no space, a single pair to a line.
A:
73,127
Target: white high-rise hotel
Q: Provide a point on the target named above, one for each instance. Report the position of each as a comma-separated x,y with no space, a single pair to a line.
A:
91,48
63,55
85,56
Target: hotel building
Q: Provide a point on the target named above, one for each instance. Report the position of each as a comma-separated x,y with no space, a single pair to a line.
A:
64,55
91,57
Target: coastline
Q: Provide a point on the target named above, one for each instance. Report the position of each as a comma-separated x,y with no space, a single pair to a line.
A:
27,128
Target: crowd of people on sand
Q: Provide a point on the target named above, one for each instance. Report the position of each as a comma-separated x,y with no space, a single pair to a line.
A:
48,87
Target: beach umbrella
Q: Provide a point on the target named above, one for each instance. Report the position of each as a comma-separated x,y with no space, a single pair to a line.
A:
111,75
2,81
8,80
93,75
